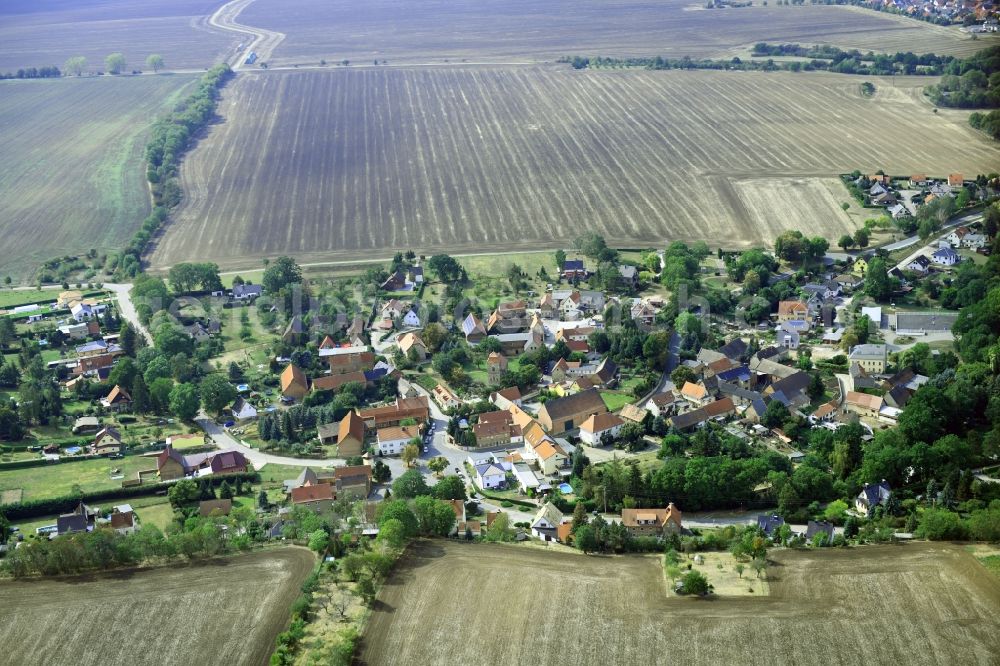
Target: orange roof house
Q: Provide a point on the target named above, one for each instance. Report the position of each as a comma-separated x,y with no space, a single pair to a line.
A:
294,383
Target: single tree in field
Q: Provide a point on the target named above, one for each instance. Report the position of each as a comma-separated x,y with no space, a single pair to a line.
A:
695,583
115,63
155,62
739,569
845,241
75,65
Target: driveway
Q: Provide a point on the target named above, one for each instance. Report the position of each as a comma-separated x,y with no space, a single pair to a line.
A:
223,440
127,310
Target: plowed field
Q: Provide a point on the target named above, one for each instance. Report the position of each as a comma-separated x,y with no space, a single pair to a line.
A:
462,604
226,611
530,31
331,164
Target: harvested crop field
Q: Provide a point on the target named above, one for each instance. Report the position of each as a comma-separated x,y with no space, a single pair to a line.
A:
327,164
913,604
530,31
37,33
224,611
73,176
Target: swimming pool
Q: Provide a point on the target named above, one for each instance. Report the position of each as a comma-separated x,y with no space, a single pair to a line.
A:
565,489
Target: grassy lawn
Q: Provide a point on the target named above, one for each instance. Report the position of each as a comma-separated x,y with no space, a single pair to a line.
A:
58,479
615,400
159,514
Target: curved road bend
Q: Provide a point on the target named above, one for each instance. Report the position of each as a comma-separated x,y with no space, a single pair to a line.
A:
263,41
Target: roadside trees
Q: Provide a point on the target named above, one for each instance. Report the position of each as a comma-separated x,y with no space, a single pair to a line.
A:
115,63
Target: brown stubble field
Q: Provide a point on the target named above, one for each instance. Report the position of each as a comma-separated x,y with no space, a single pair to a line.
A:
36,33
332,165
72,176
463,603
224,611
434,31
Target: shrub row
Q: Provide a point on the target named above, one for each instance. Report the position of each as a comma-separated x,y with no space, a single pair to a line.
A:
171,137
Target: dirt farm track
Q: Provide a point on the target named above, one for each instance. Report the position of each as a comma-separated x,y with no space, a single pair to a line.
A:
465,604
325,165
223,611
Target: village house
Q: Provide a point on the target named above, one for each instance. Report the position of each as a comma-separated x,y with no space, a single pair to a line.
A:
393,414
598,425
568,413
945,256
123,519
504,398
350,435
86,424
515,344
412,341
718,409
633,414
353,482
492,475
956,180
473,329
789,310
392,440
662,405
215,508
872,357
563,370
343,360
696,394
106,441
117,400
862,404
573,269
546,523
294,383
816,528
871,496
242,410
247,292
444,397
496,429
335,382
769,524
318,497
82,519
652,522
509,317
919,265
171,464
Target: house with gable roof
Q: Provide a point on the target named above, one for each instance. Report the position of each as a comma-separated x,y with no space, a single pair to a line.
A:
871,496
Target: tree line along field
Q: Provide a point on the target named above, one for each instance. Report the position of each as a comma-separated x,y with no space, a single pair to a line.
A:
47,32
73,174
529,31
913,604
329,164
222,611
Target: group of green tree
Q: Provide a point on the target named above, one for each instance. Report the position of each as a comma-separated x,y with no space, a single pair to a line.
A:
51,72
187,277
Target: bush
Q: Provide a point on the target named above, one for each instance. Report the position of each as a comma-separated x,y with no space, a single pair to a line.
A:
941,525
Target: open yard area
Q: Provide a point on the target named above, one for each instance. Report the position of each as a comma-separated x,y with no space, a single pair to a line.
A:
38,33
56,480
913,604
221,611
438,31
73,177
329,164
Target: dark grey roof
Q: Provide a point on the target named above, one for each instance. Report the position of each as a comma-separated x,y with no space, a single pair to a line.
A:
769,523
734,349
726,388
819,527
584,401
925,321
792,384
